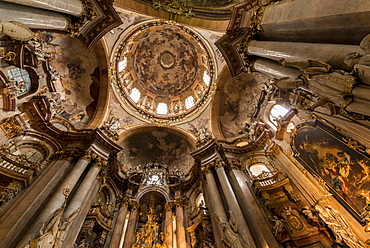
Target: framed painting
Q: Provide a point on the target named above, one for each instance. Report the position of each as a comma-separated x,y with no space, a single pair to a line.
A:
341,162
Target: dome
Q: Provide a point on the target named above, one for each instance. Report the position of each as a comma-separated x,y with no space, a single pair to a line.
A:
163,71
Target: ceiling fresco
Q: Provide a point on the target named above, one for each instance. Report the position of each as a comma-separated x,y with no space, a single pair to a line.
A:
238,101
139,149
205,9
166,62
77,84
164,70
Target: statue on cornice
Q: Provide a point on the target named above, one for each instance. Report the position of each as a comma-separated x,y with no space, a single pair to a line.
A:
361,63
40,49
348,90
203,136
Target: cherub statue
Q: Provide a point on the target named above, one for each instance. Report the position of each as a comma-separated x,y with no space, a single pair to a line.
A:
278,225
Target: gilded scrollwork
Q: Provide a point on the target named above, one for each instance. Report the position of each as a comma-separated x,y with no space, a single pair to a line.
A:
11,127
168,206
254,30
274,151
218,163
76,23
87,155
235,165
174,7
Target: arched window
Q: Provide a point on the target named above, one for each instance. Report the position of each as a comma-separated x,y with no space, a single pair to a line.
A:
199,200
21,79
258,169
162,108
206,78
135,95
122,64
277,113
189,102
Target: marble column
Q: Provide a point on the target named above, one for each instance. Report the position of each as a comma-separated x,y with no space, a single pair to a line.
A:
214,194
257,219
233,205
333,54
122,238
217,230
58,198
32,17
83,189
275,69
168,224
320,21
81,202
14,222
118,227
131,227
71,233
174,231
180,229
71,7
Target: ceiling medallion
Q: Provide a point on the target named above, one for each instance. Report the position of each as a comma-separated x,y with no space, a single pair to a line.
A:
162,71
167,60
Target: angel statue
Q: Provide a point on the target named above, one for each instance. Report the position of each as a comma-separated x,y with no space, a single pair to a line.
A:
230,230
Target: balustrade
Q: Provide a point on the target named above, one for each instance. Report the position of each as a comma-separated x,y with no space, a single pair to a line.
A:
268,179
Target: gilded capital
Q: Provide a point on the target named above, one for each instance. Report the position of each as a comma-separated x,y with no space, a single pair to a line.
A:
207,169
218,163
235,165
99,163
274,152
168,207
181,203
67,154
134,206
87,155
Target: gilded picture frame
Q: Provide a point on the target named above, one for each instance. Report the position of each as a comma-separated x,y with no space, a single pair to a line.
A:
340,163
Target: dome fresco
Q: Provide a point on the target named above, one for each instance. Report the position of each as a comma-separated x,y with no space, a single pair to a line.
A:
163,70
166,71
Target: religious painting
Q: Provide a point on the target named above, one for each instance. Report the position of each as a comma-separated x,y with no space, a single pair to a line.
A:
342,164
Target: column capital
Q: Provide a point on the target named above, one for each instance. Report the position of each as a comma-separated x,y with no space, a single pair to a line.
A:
134,206
87,155
181,203
206,169
235,165
99,163
69,154
123,202
218,163
274,151
168,206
